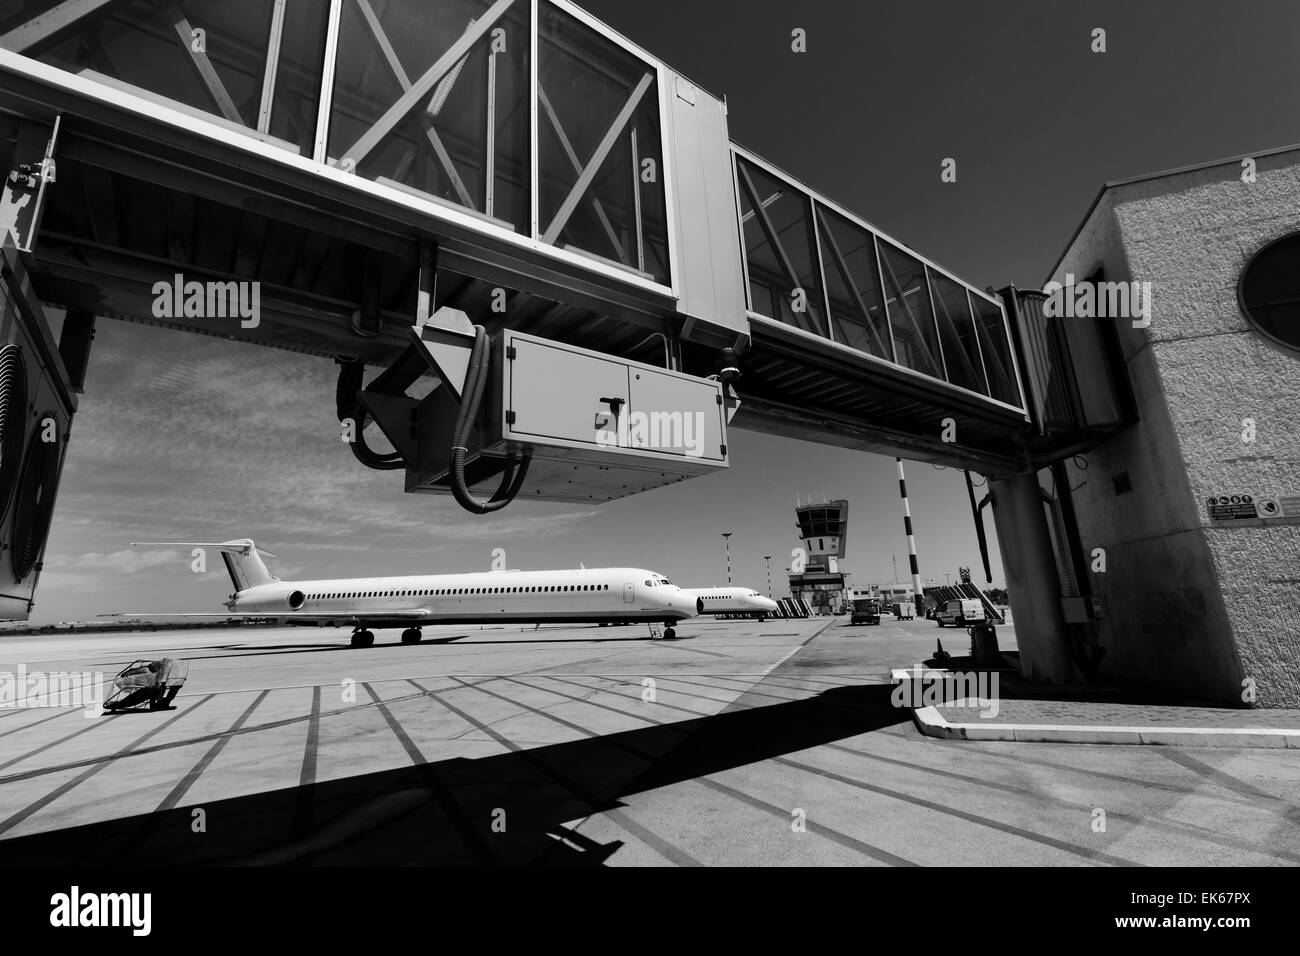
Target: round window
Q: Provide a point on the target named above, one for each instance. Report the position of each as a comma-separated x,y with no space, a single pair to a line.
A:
1269,291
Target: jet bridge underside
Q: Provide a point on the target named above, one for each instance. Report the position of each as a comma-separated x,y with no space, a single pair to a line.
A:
803,389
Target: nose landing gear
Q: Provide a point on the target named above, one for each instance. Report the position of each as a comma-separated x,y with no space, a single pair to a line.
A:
411,635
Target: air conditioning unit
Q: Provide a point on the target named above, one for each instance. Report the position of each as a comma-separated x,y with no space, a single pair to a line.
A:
595,427
36,408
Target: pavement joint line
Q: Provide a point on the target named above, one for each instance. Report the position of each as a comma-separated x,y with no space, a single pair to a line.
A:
681,693
1175,826
693,650
529,708
34,723
483,674
304,809
472,724
1020,756
1227,781
54,743
143,751
709,782
1012,829
827,833
933,724
192,776
753,689
657,703
51,795
470,837
804,643
649,838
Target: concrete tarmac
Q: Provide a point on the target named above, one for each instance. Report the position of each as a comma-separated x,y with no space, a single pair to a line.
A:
739,743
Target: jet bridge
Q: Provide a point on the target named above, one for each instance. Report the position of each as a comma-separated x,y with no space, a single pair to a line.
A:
515,160
344,178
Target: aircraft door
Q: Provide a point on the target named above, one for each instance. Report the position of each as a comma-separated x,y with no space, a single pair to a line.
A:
629,593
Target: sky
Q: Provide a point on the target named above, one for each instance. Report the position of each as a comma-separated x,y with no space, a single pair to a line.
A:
188,437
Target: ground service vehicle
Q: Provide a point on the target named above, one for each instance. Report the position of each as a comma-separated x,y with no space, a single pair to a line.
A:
962,613
152,683
865,611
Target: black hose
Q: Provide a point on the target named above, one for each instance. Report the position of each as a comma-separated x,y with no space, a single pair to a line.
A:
13,419
351,372
512,480
979,528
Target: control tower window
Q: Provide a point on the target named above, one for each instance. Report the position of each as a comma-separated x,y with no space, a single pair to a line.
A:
1269,291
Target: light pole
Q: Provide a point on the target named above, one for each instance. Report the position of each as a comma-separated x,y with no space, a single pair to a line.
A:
947,579
726,537
768,559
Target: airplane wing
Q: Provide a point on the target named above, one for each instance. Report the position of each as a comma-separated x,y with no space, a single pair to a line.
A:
418,614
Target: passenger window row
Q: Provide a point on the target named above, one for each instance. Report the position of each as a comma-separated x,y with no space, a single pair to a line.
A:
441,592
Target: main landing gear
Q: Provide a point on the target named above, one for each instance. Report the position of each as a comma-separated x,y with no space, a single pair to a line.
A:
363,638
669,634
411,635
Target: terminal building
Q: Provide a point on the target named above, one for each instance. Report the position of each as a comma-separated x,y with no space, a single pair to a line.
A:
512,236
1187,522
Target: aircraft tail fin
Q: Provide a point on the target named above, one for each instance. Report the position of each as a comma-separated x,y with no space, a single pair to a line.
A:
241,556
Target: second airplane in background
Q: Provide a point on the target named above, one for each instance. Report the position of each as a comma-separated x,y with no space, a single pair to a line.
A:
733,601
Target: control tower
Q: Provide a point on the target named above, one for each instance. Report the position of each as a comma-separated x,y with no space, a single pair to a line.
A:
815,572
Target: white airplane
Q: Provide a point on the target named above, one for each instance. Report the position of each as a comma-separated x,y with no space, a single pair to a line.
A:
733,601
587,595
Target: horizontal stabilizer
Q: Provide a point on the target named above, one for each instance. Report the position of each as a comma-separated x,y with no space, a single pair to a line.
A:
231,547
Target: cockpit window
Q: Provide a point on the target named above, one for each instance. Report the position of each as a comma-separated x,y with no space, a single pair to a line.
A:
649,583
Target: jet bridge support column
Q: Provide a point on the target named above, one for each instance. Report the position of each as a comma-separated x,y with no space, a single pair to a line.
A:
1032,581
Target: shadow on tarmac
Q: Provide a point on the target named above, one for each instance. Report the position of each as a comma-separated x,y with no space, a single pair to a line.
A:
448,812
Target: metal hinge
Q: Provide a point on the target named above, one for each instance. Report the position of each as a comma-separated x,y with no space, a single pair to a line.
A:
510,353
31,175
510,417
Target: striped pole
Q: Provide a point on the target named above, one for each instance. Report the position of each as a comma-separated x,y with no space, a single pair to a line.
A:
911,538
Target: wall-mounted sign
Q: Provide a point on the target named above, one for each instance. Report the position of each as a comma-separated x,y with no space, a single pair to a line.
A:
1231,507
1269,508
